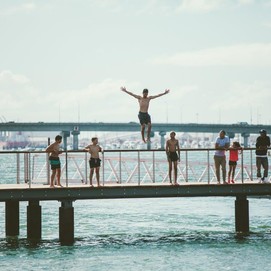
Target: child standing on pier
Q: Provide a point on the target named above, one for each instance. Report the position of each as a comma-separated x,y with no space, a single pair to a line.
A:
234,150
94,161
172,147
54,151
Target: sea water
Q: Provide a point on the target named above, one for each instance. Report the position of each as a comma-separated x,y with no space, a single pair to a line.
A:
143,234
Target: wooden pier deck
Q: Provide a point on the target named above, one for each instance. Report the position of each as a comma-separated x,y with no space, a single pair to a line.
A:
22,192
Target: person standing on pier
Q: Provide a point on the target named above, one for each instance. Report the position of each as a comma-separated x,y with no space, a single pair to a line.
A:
94,161
221,145
172,147
262,144
54,151
143,115
234,150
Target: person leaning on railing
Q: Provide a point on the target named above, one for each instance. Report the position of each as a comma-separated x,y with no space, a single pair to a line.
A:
221,145
54,151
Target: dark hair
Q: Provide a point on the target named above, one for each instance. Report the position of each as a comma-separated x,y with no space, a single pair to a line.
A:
94,138
237,144
223,131
58,137
145,90
262,131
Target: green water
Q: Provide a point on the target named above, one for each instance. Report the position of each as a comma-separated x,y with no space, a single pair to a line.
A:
144,234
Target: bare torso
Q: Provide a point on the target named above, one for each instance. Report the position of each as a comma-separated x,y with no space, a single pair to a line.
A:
144,104
94,150
54,149
172,145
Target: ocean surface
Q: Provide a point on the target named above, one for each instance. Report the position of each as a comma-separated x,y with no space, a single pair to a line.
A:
144,234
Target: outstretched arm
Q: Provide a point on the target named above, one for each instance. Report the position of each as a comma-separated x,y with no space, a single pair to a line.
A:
159,95
130,93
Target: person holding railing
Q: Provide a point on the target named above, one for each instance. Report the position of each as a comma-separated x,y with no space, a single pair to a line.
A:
54,150
234,150
262,144
143,115
94,161
221,145
172,147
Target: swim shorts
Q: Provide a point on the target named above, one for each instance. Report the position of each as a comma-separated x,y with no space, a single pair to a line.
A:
54,162
144,118
94,162
173,156
232,163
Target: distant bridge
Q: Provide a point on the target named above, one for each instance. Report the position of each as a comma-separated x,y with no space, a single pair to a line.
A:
74,128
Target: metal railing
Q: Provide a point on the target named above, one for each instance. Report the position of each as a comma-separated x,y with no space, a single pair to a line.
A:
119,167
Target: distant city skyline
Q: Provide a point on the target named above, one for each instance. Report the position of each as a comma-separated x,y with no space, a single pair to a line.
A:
66,60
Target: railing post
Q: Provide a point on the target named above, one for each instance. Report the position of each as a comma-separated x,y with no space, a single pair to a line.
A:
18,167
138,166
48,168
251,165
26,168
186,166
86,168
66,167
242,168
208,165
120,161
29,170
153,166
103,166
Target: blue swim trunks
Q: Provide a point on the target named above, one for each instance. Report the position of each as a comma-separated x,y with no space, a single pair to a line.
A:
54,162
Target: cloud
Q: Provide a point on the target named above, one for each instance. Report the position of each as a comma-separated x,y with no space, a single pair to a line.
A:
9,77
101,101
21,8
200,5
256,54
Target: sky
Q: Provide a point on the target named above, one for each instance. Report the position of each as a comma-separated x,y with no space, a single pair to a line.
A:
65,60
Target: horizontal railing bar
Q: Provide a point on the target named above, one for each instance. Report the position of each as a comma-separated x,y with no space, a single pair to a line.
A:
121,150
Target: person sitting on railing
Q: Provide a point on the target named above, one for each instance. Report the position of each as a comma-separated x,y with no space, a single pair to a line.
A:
94,161
54,151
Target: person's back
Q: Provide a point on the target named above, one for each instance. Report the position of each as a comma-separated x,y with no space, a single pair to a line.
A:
262,143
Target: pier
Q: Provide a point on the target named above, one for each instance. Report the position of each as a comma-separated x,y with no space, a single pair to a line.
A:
125,175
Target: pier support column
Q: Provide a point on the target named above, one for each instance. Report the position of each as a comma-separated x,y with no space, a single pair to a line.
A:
34,220
12,218
65,135
162,141
245,136
241,214
66,223
75,141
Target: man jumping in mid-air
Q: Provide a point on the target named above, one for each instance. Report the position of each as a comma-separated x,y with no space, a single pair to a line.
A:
143,115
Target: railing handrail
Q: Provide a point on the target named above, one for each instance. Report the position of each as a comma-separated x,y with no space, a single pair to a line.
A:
120,167
122,150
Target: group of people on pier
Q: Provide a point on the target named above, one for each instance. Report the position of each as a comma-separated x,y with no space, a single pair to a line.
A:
222,144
